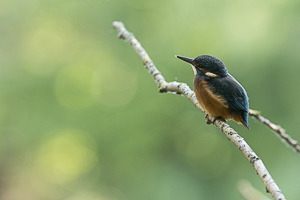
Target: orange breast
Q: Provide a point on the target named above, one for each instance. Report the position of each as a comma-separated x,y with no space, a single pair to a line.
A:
214,105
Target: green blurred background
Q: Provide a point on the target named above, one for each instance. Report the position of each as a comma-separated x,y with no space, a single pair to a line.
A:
81,119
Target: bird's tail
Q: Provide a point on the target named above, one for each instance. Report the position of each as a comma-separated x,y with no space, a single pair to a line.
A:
245,120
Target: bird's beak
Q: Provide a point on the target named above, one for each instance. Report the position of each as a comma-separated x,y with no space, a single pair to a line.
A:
188,60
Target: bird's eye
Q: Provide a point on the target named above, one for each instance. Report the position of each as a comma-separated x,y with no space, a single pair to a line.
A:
203,70
194,63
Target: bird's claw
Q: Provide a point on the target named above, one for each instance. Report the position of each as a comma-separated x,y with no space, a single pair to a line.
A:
209,121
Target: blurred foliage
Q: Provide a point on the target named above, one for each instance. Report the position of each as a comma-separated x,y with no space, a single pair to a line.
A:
81,119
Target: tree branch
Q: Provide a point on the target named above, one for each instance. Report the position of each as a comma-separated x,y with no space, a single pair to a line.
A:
277,129
249,192
183,89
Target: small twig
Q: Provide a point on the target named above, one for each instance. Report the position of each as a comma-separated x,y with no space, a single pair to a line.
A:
183,89
280,132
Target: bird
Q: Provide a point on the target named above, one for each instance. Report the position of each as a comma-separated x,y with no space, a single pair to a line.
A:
218,92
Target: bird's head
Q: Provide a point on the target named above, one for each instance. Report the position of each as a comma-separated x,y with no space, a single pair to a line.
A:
207,65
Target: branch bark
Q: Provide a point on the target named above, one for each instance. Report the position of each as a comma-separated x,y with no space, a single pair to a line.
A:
183,89
280,132
249,192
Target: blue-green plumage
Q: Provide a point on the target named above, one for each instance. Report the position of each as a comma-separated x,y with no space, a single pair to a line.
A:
219,93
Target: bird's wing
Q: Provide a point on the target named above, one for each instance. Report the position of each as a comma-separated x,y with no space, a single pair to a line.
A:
232,91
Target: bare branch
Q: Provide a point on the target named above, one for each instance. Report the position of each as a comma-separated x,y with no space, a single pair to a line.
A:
129,37
277,129
183,89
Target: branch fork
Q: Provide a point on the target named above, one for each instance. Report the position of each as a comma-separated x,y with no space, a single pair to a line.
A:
183,89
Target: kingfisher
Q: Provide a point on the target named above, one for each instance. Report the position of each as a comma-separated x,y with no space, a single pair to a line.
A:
219,94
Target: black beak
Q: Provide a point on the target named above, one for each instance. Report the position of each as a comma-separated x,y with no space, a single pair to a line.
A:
189,60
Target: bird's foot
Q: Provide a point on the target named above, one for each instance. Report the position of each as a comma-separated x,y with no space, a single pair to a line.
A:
219,118
209,121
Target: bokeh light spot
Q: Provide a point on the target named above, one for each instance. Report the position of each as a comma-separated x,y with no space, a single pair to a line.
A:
66,156
73,86
250,27
206,152
47,45
115,85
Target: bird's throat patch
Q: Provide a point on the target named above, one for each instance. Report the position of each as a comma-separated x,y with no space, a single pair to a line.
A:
194,69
